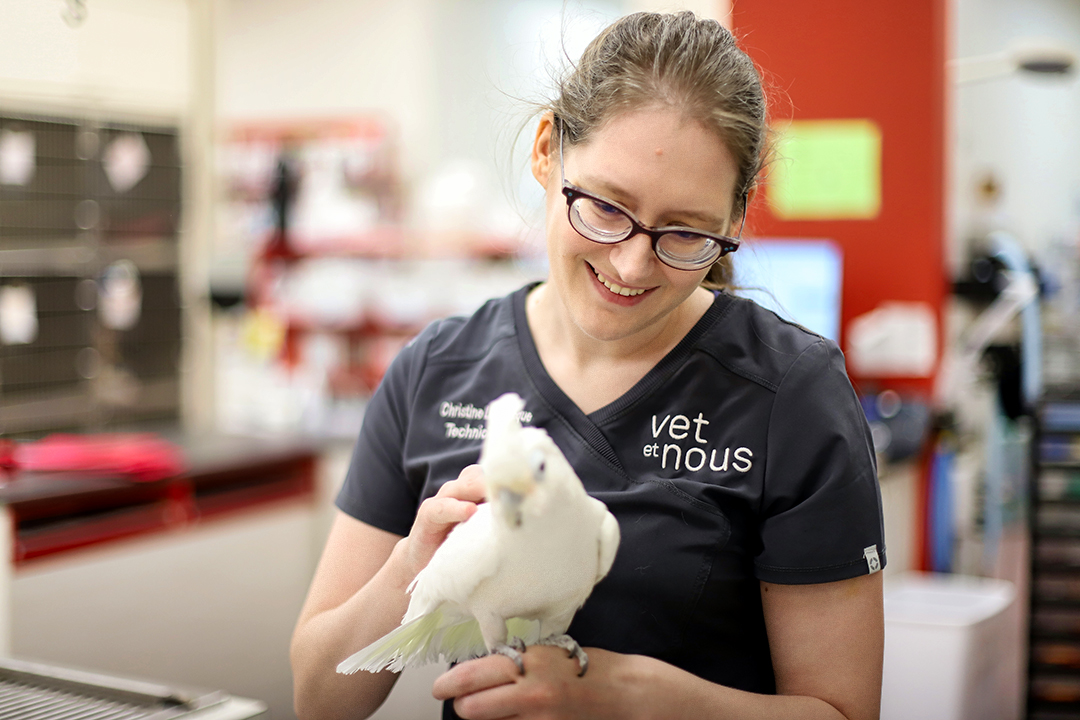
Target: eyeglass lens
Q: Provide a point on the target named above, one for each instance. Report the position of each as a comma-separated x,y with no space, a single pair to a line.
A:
606,223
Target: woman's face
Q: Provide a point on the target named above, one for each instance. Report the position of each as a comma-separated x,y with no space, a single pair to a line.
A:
667,170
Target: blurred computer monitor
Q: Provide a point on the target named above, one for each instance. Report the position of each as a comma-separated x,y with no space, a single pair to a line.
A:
800,280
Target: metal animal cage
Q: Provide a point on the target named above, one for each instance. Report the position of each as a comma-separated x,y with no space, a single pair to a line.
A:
43,692
94,196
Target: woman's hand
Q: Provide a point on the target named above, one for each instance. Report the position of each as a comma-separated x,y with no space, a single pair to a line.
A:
491,687
455,503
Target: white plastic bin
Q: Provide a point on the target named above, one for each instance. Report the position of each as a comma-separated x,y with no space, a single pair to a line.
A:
944,639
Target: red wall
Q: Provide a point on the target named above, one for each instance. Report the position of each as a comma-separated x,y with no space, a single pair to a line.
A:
884,61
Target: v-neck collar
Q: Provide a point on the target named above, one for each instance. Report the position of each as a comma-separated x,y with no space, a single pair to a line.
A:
588,426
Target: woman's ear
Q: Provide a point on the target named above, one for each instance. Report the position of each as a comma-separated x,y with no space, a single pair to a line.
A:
749,200
752,193
543,150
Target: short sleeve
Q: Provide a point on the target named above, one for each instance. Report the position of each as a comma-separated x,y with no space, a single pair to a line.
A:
821,516
377,490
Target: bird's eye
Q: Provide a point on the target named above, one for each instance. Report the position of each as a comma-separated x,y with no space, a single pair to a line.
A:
539,464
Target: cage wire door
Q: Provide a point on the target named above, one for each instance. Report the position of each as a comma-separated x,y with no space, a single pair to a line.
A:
90,314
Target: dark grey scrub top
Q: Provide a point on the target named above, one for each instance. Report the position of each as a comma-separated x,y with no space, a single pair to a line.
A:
742,456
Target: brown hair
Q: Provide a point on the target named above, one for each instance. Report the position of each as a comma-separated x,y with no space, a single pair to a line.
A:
679,60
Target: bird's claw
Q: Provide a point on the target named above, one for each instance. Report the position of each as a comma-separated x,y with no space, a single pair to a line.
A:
571,646
511,651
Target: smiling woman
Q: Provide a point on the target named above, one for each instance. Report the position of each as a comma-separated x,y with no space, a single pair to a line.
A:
669,170
728,444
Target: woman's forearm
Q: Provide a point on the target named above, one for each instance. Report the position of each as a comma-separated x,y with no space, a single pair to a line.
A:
676,694
323,640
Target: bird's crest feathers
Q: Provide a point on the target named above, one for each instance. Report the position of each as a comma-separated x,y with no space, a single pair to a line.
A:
503,417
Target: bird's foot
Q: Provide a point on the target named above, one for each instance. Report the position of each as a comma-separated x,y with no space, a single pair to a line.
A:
512,651
570,645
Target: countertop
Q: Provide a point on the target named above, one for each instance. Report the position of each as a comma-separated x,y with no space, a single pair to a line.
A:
57,511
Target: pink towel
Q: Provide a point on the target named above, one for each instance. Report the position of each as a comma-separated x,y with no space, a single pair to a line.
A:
142,457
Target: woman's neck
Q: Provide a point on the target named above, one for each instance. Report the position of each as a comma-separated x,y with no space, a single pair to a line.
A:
593,372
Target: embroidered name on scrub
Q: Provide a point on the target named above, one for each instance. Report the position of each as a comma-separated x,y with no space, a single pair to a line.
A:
470,411
462,410
693,458
465,432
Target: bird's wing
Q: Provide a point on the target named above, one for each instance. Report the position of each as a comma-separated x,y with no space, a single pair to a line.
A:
609,542
467,556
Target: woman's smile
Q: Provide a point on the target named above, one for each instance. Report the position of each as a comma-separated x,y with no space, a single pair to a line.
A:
616,293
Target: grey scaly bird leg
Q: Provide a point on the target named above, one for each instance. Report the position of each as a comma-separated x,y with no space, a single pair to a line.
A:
512,653
493,629
570,645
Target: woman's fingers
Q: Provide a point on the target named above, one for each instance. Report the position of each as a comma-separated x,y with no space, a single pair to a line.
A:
493,704
438,515
491,687
469,486
454,503
475,675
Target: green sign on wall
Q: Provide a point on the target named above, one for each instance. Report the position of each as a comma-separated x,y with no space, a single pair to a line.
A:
826,170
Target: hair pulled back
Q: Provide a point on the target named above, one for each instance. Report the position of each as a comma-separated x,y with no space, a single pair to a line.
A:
678,60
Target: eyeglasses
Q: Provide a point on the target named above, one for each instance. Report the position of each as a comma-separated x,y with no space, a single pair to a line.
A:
607,222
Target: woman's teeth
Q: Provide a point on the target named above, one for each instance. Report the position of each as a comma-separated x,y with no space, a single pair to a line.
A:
616,288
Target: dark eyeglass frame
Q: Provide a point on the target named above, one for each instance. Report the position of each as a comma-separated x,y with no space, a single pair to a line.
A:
725,244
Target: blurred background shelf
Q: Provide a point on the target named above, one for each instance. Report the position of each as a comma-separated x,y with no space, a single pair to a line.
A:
1054,645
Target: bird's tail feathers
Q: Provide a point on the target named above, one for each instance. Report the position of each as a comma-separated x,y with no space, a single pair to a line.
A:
461,641
397,648
427,640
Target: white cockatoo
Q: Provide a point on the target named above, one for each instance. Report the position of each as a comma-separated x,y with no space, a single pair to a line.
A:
517,570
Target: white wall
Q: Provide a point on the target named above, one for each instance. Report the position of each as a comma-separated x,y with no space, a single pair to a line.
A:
279,58
448,74
1021,128
455,77
129,55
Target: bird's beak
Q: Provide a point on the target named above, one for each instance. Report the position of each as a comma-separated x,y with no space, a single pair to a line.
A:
509,505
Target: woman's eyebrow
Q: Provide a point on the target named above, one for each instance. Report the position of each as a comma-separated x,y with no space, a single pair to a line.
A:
611,191
706,219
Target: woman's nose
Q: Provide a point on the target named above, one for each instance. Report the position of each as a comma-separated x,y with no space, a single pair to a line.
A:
633,258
